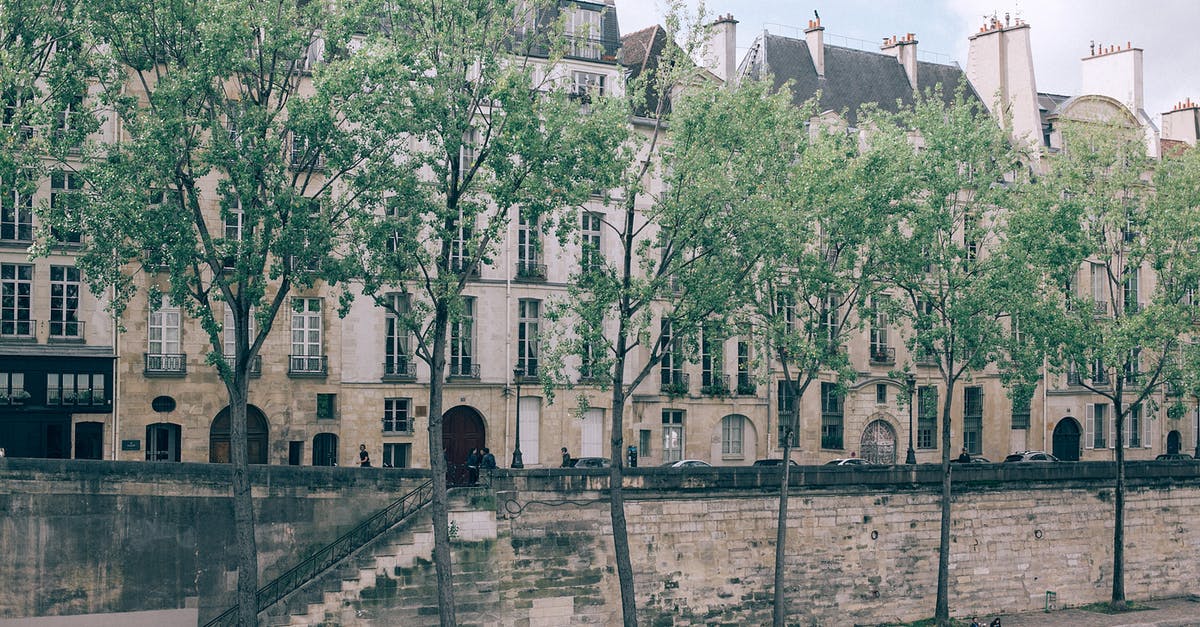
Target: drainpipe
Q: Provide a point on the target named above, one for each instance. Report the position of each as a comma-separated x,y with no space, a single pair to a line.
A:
116,391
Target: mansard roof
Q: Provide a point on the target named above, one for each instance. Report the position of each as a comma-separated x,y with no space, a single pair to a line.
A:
852,77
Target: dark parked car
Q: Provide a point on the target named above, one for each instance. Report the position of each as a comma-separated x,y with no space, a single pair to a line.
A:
975,459
1031,456
772,462
592,462
1173,457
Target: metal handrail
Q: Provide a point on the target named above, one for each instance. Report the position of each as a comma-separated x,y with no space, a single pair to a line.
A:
333,553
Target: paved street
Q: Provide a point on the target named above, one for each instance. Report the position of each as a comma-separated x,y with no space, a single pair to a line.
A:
1181,612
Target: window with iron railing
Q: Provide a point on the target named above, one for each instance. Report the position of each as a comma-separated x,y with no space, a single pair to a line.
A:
16,209
927,412
462,341
973,419
398,361
528,348
64,303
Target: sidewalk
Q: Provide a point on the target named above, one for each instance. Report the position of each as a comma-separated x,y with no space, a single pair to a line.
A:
1178,612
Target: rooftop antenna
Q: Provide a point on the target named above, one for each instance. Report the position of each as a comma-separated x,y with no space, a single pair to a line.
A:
816,15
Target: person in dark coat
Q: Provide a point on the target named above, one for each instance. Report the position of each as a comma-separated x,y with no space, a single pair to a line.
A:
474,458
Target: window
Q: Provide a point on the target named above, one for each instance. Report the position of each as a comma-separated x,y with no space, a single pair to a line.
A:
671,365
787,401
16,210
305,155
12,388
973,419
70,388
461,258
592,433
462,341
745,382
528,314
397,356
829,319
590,254
64,302
531,427
64,196
394,241
164,352
528,250
587,361
587,85
397,415
881,394
468,152
1020,410
1130,290
732,430
644,439
1133,430
397,455
326,406
672,430
831,416
16,292
234,223
1133,366
881,352
229,333
927,410
785,311
1099,372
1096,426
583,33
306,357
1099,288
712,362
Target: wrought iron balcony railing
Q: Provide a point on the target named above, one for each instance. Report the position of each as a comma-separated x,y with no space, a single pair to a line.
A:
166,364
464,370
255,364
883,355
400,368
674,383
527,271
714,384
66,329
306,365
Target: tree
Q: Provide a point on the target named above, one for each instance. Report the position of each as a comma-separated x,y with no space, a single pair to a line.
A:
1121,336
222,197
817,271
476,131
953,281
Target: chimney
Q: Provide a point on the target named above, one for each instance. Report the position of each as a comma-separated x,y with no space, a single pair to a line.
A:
721,48
1182,123
1000,68
905,50
1115,71
815,36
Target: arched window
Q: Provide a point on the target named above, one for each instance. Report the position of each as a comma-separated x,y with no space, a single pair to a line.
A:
733,432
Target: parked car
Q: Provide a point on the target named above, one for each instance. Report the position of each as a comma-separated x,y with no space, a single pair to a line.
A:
687,463
1173,457
975,459
772,462
848,461
592,462
1031,456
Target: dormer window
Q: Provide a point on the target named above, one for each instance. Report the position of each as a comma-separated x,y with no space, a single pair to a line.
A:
583,33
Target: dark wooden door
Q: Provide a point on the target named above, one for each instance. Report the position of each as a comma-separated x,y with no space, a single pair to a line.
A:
1066,440
462,430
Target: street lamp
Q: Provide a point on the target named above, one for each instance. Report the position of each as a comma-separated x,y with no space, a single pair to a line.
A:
911,382
517,461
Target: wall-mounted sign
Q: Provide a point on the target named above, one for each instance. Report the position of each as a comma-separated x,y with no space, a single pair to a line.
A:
131,445
163,404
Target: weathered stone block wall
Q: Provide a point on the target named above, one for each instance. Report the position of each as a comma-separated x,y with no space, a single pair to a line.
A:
92,537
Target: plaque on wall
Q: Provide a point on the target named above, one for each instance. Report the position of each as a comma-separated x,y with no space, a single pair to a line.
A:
131,445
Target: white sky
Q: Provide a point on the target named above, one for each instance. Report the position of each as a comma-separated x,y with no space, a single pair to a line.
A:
1061,31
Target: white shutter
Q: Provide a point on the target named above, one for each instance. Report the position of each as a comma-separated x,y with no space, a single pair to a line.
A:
531,409
593,434
1111,434
1089,425
1125,428
1147,430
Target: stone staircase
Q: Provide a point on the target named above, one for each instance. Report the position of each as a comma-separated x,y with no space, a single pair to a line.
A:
392,580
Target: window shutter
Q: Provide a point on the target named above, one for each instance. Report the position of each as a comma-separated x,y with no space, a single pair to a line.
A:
1147,430
1125,428
1089,425
1112,428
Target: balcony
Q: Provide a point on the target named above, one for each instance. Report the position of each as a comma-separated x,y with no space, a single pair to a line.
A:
464,266
165,365
674,383
399,369
882,355
1100,308
925,357
715,384
464,370
529,371
1074,378
527,271
66,330
18,329
255,365
745,385
306,366
1132,307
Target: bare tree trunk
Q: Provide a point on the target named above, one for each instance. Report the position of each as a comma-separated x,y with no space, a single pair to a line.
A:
780,611
243,503
616,483
942,613
1118,575
437,465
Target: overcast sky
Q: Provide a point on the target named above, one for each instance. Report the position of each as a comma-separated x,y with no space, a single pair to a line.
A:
1061,31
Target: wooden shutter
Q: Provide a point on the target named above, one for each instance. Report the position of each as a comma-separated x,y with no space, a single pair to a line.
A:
1089,425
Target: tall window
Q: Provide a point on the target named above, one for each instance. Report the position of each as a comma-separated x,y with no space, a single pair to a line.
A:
397,454
528,249
234,223
587,360
733,428
745,382
787,400
973,419
832,418
927,406
712,361
397,358
16,210
528,314
1099,288
590,255
1020,410
672,429
1096,426
306,336
164,329
583,33
461,259
64,195
1133,366
1130,290
829,319
397,415
1099,372
462,340
587,85
16,291
229,338
1133,431
64,302
671,364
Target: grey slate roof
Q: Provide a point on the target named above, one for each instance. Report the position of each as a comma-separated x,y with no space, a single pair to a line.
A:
852,77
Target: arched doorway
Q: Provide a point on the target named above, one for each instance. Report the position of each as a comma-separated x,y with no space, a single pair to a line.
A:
878,443
1174,442
256,437
462,430
1066,440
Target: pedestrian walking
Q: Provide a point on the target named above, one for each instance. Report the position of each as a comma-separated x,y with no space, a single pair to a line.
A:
566,458
364,458
473,461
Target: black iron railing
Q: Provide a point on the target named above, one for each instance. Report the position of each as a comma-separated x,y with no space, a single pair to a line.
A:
334,553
